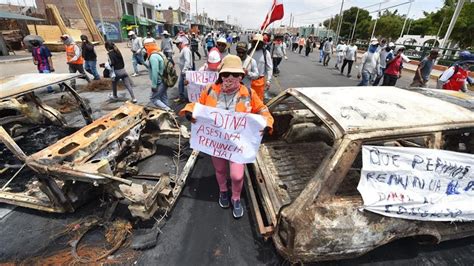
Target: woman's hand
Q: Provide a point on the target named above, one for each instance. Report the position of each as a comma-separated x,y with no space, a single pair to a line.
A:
189,117
265,131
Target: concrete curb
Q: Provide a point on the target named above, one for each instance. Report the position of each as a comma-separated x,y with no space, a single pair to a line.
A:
13,60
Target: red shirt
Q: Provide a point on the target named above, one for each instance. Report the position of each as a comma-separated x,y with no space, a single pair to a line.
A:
394,67
457,81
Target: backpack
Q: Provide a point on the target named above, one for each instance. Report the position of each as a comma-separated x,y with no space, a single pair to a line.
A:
169,77
439,84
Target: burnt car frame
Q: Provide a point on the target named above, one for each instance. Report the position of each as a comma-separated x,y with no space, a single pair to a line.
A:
302,187
96,158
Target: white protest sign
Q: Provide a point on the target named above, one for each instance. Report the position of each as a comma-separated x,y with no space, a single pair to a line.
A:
226,134
418,184
198,81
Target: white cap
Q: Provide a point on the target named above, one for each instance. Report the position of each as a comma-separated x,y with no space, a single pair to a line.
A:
374,41
165,32
148,40
391,44
222,40
214,59
131,33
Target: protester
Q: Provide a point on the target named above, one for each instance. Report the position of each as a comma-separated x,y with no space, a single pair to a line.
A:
340,53
350,56
118,67
185,63
386,52
393,71
423,72
210,42
195,45
301,43
137,52
294,42
229,39
308,45
90,57
42,58
167,46
248,64
228,93
369,63
328,50
321,51
264,65
156,64
149,38
223,46
456,77
74,58
278,52
213,61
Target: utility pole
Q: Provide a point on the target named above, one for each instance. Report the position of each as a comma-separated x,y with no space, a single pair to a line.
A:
355,23
409,26
339,25
375,24
439,30
452,23
406,18
329,27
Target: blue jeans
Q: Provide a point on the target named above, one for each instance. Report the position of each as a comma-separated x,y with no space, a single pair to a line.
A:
181,89
91,67
321,55
366,77
159,96
137,58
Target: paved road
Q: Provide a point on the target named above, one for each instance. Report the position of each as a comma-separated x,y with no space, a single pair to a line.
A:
198,231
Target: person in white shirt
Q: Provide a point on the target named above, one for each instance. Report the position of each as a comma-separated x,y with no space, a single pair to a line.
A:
185,63
340,51
350,56
264,65
248,63
387,51
369,63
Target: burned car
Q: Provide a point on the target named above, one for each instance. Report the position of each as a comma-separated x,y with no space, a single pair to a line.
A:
303,185
62,170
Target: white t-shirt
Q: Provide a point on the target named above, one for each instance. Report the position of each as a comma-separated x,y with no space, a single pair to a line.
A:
340,48
350,52
327,47
369,62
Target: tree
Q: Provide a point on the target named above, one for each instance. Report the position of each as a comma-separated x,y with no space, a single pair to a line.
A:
389,25
348,20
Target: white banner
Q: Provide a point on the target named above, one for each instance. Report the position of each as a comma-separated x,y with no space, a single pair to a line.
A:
226,134
198,81
418,184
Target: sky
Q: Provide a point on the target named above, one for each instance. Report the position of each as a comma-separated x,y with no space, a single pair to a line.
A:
251,13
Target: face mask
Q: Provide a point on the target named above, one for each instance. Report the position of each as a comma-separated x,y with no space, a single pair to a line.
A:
230,84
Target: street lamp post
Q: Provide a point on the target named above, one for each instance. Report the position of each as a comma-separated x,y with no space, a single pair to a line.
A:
375,24
355,23
406,18
452,23
339,25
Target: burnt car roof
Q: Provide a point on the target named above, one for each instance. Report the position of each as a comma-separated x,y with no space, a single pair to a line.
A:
12,86
357,109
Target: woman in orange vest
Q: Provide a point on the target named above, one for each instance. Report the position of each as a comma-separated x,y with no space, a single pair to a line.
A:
229,93
74,58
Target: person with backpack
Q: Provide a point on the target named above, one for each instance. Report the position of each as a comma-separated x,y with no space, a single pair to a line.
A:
456,77
156,67
422,74
210,42
264,66
195,45
228,93
117,65
42,59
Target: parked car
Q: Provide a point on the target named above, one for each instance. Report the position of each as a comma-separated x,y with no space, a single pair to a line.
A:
50,165
303,185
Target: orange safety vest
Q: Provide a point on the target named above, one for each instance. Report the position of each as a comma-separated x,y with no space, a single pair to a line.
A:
70,54
456,81
248,102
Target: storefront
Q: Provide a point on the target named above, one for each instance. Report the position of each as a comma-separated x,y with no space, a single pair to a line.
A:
140,25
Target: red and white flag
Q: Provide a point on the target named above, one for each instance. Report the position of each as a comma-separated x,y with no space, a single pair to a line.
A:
276,13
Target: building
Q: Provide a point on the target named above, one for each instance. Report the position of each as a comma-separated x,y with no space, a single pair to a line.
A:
140,16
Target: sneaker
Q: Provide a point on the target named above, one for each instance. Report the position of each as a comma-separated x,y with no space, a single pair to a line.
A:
134,100
224,200
349,75
135,75
112,97
238,209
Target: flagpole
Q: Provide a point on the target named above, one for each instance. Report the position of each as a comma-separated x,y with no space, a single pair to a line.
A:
256,44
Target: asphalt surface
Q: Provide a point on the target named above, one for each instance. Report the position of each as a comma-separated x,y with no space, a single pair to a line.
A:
198,231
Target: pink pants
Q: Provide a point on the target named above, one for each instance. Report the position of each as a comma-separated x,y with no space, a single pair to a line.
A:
236,175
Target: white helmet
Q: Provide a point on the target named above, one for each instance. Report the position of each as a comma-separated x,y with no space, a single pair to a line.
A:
130,33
